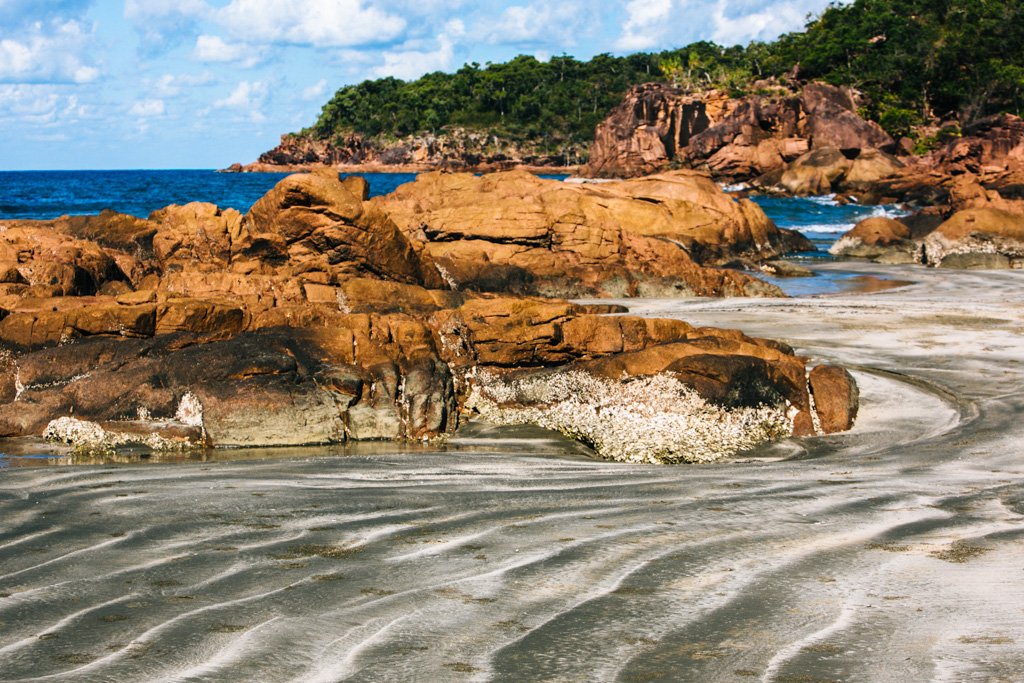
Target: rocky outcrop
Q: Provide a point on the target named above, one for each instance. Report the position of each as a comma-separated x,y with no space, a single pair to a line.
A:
827,170
452,148
885,240
648,129
321,317
832,120
985,238
977,228
992,144
652,236
987,155
733,139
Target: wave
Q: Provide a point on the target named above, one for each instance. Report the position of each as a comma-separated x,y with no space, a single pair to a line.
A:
848,221
824,199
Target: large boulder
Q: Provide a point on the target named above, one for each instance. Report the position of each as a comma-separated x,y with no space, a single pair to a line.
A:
197,232
977,238
881,239
826,170
514,232
836,397
833,122
326,227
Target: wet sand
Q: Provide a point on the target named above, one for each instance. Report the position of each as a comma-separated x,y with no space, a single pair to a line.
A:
891,553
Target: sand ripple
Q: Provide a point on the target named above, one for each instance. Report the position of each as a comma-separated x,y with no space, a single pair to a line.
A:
890,553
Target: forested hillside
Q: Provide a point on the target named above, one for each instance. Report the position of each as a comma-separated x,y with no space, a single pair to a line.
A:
917,61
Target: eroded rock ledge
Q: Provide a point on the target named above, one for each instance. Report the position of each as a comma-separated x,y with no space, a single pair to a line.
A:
322,317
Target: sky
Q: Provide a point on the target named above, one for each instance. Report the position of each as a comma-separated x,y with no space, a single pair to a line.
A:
103,84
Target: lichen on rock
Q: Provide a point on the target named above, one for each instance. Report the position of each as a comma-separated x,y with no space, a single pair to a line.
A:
655,419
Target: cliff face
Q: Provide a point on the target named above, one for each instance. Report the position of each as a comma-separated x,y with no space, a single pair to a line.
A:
651,125
657,126
455,148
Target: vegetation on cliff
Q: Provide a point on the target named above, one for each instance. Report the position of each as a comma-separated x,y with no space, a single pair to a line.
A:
917,61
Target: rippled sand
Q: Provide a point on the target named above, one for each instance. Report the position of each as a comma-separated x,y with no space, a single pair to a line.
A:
892,553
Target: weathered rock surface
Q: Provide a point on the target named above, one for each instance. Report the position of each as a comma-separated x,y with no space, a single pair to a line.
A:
320,316
977,238
734,139
881,239
835,396
514,232
648,128
827,170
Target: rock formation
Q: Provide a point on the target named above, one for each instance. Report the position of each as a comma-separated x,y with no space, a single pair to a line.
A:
645,237
648,128
827,170
733,139
977,228
321,317
452,148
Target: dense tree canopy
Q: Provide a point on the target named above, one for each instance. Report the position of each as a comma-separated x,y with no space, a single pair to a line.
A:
916,60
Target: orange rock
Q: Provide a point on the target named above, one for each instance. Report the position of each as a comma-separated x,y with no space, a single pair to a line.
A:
835,397
324,224
196,232
514,232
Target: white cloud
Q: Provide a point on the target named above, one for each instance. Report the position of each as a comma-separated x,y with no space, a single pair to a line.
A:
31,102
646,25
247,97
315,91
766,24
320,23
39,105
51,53
216,49
662,24
538,22
147,108
172,85
412,63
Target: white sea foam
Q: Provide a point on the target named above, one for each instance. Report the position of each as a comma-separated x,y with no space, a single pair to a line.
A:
734,187
881,211
824,199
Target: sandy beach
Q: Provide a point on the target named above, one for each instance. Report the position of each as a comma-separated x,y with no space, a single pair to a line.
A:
889,553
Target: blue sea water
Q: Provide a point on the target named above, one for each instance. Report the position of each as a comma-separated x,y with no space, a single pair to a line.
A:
49,194
821,219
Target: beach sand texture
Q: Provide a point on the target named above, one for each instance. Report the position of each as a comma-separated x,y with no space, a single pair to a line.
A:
889,553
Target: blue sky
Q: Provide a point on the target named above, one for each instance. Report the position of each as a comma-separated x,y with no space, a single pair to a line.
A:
204,83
